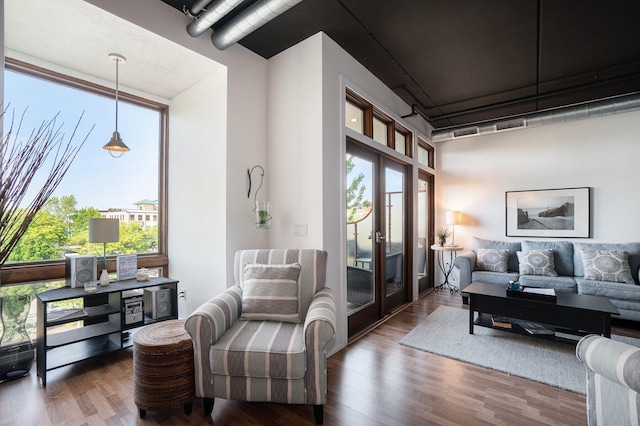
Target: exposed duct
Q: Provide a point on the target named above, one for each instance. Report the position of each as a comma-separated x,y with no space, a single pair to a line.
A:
208,16
576,112
250,20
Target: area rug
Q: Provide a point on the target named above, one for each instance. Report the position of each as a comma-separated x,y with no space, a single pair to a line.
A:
446,332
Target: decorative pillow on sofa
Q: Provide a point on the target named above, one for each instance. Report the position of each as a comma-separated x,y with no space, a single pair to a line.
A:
605,265
537,262
493,260
270,292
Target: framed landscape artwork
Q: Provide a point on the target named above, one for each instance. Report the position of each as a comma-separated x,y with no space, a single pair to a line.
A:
549,213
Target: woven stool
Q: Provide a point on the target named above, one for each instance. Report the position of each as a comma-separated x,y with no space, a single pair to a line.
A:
163,371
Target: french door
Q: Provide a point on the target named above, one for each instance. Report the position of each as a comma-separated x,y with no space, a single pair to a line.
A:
377,236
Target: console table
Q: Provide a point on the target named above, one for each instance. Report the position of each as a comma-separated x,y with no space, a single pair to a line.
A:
446,267
104,323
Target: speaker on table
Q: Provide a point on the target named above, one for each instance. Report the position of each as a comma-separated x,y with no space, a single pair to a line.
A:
157,302
81,268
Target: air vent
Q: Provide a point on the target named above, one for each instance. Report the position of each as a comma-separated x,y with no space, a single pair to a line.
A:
465,132
511,124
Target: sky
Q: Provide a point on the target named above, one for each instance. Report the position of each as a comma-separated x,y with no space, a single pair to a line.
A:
95,178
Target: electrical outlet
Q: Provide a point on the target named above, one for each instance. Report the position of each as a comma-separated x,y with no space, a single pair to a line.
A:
300,229
182,294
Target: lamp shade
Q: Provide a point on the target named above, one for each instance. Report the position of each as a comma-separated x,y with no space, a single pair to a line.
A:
452,217
102,230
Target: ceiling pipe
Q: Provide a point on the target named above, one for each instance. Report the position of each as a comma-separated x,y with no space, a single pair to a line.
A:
250,20
195,8
608,106
208,16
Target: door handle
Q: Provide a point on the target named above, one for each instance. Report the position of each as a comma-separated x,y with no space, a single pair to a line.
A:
379,237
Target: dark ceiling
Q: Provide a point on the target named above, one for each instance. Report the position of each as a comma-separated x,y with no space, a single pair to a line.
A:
465,61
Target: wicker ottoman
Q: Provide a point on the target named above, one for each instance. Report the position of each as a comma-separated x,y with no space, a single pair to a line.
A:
163,372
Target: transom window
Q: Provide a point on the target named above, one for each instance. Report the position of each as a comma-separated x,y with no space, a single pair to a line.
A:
366,119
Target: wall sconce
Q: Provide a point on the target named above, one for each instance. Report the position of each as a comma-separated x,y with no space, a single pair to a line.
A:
116,146
453,217
263,217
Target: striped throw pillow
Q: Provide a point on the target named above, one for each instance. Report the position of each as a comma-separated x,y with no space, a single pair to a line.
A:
270,292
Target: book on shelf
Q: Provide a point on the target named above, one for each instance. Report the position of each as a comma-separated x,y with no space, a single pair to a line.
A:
534,328
500,322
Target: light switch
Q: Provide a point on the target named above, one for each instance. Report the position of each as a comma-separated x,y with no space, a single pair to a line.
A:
300,229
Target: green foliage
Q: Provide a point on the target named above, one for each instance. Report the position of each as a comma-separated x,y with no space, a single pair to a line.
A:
355,193
60,227
44,239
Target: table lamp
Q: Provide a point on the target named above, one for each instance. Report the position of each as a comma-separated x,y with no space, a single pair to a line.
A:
453,217
103,230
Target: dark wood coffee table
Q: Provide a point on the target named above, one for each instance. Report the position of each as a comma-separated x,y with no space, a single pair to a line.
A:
582,313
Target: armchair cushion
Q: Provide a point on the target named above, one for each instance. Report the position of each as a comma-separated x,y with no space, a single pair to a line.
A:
271,293
261,349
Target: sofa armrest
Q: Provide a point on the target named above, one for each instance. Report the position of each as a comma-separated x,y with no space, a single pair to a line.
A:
205,326
465,263
319,331
617,361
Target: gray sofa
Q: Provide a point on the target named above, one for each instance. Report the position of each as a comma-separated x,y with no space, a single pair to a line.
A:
569,266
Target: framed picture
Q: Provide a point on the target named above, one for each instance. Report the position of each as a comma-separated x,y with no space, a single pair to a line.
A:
549,213
126,266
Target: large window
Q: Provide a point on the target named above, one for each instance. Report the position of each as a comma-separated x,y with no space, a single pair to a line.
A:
96,184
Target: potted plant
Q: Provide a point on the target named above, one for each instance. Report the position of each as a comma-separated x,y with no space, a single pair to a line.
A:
442,234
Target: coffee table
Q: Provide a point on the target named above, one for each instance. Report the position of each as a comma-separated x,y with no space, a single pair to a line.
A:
579,312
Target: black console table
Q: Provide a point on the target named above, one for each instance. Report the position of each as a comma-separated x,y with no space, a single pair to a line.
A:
105,321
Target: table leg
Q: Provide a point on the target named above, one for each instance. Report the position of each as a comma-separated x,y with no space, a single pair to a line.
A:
471,314
447,269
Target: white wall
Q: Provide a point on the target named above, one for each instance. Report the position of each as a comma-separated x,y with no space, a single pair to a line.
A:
601,153
197,131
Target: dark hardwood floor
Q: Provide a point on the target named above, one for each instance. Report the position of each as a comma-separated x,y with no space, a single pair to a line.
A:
374,381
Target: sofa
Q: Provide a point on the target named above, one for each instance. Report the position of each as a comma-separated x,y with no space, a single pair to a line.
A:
562,268
613,380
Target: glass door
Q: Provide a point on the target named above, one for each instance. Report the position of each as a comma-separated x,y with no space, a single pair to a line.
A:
425,229
376,199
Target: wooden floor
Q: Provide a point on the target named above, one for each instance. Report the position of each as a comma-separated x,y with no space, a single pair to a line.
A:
374,381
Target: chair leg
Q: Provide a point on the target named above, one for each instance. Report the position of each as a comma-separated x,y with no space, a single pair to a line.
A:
318,413
208,406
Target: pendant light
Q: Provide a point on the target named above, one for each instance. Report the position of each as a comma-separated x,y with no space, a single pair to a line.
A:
116,146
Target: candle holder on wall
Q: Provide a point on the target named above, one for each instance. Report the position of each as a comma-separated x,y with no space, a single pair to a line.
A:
261,208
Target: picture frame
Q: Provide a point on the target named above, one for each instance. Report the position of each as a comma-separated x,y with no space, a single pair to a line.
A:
553,213
126,266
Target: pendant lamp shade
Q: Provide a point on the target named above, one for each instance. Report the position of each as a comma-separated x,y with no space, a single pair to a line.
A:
116,146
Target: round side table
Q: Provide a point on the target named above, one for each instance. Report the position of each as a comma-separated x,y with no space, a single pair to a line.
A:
163,371
446,266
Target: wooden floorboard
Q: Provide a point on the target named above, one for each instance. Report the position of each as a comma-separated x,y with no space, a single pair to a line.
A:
374,381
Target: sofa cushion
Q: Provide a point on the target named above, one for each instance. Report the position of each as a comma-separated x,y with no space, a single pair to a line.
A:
501,278
560,284
537,262
612,290
271,293
606,265
513,247
632,248
562,254
266,349
493,260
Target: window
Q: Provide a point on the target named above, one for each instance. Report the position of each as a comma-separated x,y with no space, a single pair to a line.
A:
425,153
96,185
365,118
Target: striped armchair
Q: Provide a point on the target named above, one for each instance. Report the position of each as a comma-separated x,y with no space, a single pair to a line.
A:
266,360
613,380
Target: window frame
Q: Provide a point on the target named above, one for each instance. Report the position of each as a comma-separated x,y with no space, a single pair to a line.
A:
15,273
